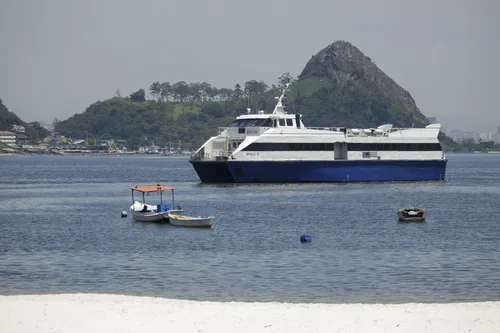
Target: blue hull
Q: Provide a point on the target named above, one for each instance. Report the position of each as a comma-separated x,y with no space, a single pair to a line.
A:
319,171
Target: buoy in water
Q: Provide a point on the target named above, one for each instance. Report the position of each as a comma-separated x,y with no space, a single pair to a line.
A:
305,238
124,213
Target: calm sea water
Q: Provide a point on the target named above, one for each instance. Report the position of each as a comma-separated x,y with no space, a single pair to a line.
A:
61,232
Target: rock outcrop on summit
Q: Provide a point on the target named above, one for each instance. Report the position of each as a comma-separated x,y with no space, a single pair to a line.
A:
340,86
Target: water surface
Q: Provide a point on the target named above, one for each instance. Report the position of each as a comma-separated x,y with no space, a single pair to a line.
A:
61,232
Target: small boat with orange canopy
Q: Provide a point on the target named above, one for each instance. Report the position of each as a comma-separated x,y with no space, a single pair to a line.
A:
142,211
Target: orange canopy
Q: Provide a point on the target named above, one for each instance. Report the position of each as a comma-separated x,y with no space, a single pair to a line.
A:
151,188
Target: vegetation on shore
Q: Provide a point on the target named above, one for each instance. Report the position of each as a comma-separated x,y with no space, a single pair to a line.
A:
185,113
34,131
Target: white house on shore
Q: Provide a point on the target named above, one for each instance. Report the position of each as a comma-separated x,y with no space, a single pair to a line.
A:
18,128
7,137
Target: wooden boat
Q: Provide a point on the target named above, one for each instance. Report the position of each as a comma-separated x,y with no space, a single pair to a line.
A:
144,212
411,214
189,221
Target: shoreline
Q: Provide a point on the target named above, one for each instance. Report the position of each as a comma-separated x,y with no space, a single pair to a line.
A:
187,155
120,313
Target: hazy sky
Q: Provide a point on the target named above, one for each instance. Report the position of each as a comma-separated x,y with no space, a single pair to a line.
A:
59,56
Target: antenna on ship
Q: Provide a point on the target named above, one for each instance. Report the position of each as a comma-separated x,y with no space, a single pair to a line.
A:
249,110
279,106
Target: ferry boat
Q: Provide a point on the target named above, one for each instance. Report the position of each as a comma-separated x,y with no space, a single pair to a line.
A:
277,148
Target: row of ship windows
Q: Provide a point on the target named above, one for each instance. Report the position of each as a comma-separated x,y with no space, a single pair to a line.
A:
265,146
267,122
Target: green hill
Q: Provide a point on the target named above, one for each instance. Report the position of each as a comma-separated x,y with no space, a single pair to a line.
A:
34,131
145,122
339,86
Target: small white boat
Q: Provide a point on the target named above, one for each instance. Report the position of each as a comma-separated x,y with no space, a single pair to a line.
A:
411,214
189,221
141,211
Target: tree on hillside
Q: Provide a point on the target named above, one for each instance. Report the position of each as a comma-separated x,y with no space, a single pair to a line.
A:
139,96
196,91
166,91
212,92
181,91
237,92
225,94
254,88
285,78
205,90
155,90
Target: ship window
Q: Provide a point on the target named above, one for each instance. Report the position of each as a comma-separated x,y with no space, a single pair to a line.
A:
384,146
289,122
413,147
260,122
353,146
321,146
434,146
267,122
241,130
282,122
236,123
394,147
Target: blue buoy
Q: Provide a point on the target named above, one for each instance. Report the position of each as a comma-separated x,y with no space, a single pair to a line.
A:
305,238
124,213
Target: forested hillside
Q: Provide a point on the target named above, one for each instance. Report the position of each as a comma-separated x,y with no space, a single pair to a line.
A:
339,86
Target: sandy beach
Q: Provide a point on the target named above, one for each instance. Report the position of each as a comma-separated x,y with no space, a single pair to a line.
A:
116,313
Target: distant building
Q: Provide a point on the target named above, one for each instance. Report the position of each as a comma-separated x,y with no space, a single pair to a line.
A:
486,136
21,138
18,128
7,137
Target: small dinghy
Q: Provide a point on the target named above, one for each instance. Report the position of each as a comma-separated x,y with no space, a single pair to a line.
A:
411,214
189,221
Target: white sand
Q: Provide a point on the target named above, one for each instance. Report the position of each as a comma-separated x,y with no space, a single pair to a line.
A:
114,313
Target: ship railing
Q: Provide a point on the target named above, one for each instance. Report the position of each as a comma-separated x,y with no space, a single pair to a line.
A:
340,129
223,153
332,129
200,156
222,156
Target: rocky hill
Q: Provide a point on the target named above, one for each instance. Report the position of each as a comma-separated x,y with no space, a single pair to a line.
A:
346,88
